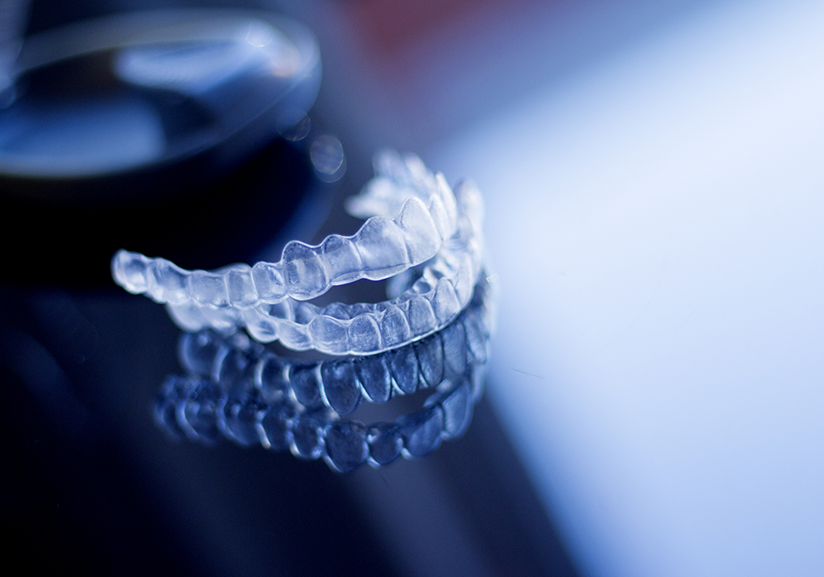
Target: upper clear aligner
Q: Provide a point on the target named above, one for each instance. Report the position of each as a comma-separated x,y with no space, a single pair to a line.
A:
433,296
425,215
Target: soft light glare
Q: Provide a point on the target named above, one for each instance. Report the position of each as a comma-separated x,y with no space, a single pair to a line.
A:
260,34
658,357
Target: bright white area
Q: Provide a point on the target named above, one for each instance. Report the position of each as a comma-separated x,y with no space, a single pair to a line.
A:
658,227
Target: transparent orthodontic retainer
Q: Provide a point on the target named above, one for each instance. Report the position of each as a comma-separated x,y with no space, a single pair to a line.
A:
435,237
237,390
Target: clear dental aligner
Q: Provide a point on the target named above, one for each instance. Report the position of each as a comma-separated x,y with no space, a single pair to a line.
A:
200,410
242,296
433,297
425,215
234,361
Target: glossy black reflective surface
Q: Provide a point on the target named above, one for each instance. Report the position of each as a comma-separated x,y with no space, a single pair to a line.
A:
88,474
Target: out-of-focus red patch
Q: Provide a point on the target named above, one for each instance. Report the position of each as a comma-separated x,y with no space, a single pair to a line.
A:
389,27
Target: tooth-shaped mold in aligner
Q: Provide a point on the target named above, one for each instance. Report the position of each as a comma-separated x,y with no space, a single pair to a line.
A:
198,409
237,390
425,215
341,384
432,298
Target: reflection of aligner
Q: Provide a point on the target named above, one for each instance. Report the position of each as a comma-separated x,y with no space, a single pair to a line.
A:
239,391
262,298
199,410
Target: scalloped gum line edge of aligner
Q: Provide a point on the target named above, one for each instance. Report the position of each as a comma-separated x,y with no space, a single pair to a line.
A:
420,229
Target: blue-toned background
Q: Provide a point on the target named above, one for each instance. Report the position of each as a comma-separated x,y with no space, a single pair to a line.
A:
655,194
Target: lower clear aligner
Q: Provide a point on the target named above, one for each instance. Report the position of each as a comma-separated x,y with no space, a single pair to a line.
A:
433,297
426,216
341,384
232,392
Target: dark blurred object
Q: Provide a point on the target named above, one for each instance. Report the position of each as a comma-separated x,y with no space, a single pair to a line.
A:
137,130
204,227
122,106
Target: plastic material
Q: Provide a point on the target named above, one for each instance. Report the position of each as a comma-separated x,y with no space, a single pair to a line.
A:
383,247
201,410
237,390
342,384
431,297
